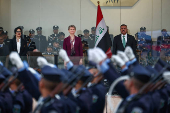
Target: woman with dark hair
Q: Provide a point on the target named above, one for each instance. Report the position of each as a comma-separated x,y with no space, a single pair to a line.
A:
73,46
18,43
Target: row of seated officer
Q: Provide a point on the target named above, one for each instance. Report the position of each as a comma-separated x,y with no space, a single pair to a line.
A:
39,42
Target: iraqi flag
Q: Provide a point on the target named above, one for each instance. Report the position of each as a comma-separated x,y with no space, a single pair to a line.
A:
102,39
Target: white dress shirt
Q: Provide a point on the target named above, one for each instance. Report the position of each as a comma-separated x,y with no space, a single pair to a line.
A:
18,45
125,37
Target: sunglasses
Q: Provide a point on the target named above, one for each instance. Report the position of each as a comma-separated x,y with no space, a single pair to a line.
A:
18,31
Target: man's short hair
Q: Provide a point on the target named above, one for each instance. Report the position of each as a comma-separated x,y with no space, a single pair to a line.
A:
138,84
72,26
123,25
49,85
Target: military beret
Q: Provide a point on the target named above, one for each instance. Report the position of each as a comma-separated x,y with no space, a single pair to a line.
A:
140,73
86,31
93,28
55,27
31,31
39,28
52,74
1,28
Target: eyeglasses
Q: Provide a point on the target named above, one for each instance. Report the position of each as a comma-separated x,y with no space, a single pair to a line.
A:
18,31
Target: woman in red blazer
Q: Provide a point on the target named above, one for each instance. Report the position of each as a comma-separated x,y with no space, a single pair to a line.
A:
73,46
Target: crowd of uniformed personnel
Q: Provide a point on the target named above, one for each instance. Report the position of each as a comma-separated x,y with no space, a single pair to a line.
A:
39,42
149,51
79,89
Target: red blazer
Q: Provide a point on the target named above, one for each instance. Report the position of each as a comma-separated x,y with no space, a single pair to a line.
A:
77,46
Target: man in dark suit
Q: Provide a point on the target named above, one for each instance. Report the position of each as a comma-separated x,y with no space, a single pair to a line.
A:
123,40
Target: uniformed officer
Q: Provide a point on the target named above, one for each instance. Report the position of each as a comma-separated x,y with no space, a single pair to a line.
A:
143,36
40,40
5,94
49,50
6,39
87,38
80,93
99,91
49,81
163,38
56,47
61,39
30,41
1,30
93,33
54,36
22,100
72,107
29,80
136,82
51,78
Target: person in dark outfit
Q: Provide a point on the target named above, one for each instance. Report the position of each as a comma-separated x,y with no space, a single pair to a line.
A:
18,43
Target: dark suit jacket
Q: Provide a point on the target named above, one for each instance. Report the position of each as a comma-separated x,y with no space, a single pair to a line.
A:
4,51
77,46
118,45
23,48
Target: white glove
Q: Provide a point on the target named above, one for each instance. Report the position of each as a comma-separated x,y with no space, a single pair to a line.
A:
41,62
96,55
116,59
166,76
129,53
123,56
63,55
90,54
101,53
16,60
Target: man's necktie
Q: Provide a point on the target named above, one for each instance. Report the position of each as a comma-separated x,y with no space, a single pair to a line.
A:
124,43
